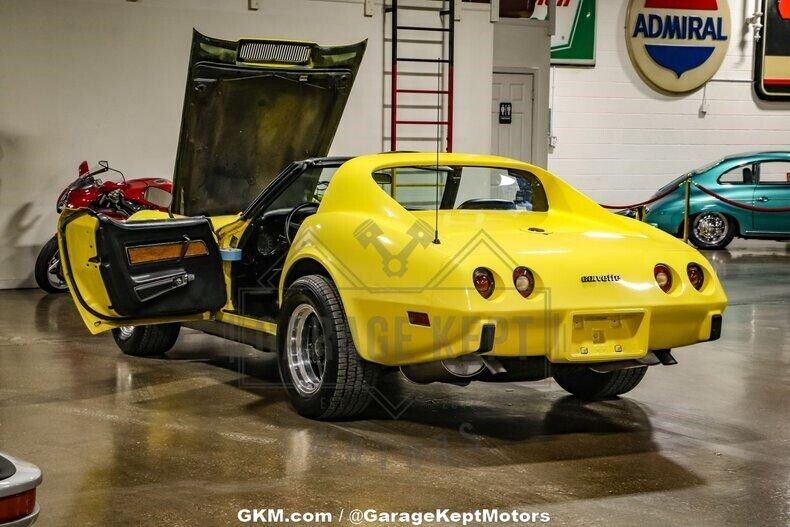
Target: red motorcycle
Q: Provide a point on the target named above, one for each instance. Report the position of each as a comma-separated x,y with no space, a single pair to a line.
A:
107,191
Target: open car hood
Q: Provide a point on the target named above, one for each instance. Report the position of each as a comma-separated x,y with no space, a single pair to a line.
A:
250,108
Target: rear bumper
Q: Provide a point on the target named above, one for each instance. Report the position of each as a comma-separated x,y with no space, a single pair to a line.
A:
26,521
23,478
562,335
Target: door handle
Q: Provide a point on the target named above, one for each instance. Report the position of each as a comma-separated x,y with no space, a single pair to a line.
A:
184,247
762,199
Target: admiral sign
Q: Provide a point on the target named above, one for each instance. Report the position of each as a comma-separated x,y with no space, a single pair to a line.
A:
677,45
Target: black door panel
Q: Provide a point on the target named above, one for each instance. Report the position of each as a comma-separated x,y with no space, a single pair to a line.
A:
155,268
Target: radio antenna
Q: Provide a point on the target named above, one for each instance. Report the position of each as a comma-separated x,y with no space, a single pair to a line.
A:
438,145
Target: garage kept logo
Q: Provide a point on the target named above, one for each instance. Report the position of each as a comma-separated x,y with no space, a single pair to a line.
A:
677,45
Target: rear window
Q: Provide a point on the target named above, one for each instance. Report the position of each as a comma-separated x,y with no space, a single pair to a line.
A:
463,187
740,175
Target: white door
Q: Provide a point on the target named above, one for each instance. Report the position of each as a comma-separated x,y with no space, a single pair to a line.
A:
511,115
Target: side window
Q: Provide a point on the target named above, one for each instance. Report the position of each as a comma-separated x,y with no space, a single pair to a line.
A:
775,173
463,187
412,187
323,183
309,186
740,175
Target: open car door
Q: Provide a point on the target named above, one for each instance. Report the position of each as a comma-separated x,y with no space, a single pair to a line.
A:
135,273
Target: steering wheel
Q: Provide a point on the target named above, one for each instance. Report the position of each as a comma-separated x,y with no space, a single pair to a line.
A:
290,217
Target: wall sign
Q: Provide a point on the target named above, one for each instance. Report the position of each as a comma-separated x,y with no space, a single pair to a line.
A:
677,45
505,113
574,39
772,53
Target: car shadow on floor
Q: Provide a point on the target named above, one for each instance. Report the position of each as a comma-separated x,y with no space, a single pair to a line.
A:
485,425
503,414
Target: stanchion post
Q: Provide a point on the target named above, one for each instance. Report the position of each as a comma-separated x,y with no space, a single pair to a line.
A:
640,212
686,210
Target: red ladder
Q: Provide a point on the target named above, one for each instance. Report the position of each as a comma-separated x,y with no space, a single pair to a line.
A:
445,93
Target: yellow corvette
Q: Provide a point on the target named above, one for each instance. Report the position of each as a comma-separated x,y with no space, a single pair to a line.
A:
347,267
451,267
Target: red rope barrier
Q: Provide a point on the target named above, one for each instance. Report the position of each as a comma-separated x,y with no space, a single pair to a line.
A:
741,205
706,191
646,202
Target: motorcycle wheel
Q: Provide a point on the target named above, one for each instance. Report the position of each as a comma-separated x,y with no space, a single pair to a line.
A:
48,273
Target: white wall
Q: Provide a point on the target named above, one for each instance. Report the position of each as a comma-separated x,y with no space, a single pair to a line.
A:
618,140
104,79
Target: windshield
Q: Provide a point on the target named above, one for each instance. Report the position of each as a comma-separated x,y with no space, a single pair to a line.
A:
102,174
463,187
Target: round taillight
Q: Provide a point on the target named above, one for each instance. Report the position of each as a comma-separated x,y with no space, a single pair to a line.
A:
696,276
524,281
483,280
663,277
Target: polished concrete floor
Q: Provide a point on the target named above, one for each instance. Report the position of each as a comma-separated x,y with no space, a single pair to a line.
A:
190,439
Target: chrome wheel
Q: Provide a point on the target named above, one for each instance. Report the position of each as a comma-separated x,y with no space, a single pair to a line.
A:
54,274
711,228
305,350
125,332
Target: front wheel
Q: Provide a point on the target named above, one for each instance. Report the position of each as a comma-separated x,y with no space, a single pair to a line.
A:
146,341
711,230
583,382
319,365
47,272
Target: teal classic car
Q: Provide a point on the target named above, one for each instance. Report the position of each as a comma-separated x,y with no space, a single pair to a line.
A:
760,180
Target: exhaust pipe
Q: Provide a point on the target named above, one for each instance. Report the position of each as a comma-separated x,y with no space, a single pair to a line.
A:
652,358
461,370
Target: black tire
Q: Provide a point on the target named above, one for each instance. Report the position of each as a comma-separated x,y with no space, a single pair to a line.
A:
46,281
585,383
730,227
344,389
147,341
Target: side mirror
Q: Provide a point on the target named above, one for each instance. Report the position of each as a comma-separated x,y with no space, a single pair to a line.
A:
83,169
103,167
158,197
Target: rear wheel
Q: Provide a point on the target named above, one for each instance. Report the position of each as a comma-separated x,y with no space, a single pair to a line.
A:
711,230
146,341
319,365
586,383
47,272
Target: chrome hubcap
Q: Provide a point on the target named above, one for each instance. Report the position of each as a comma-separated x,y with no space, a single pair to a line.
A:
711,227
54,276
126,332
305,350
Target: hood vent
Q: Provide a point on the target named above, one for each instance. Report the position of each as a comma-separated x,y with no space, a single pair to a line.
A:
262,52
